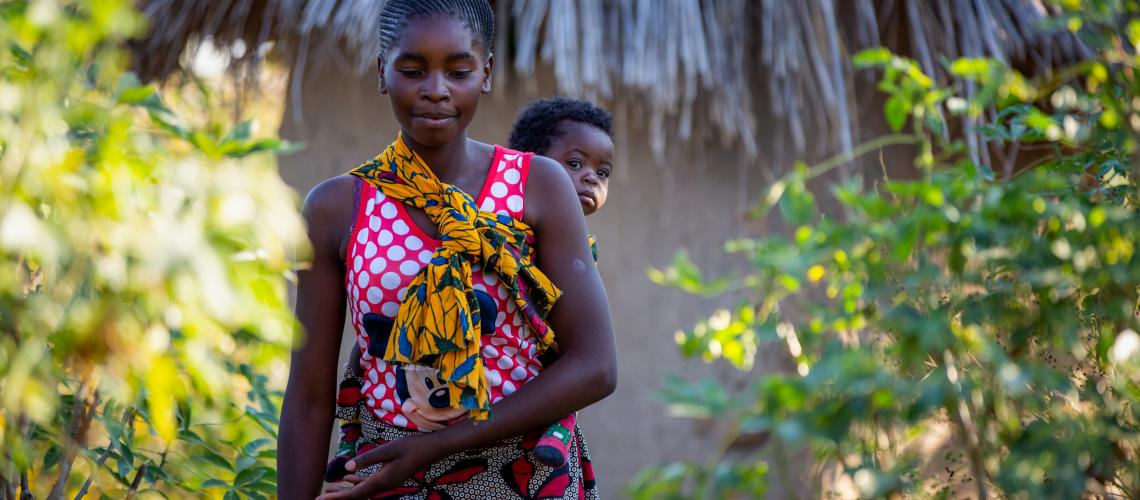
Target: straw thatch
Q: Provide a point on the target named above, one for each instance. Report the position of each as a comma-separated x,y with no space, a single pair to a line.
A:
707,66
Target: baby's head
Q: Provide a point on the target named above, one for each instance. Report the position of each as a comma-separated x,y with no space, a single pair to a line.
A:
577,134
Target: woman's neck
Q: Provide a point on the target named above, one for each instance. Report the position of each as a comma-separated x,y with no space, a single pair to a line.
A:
447,161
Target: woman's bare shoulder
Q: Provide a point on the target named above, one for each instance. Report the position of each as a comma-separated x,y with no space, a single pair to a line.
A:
329,211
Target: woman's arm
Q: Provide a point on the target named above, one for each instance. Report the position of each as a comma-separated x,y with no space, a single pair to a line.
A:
308,409
586,370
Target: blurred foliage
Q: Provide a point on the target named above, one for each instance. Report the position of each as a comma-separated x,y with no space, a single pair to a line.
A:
965,333
143,277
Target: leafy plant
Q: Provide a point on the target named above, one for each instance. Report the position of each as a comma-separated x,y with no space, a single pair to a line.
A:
969,332
143,267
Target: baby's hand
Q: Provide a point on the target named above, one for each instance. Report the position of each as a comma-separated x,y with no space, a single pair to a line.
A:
357,362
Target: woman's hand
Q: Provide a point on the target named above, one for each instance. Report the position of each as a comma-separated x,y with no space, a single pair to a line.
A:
399,459
345,483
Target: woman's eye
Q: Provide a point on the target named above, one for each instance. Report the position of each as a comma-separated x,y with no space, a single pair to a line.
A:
459,75
411,73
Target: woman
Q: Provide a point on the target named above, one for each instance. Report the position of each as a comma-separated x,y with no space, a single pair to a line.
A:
435,64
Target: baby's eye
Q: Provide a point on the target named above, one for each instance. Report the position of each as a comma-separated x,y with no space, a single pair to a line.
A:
604,174
574,164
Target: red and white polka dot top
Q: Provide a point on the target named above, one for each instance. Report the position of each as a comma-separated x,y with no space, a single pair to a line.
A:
387,250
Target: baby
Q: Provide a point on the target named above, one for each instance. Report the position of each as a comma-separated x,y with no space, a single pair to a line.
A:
579,135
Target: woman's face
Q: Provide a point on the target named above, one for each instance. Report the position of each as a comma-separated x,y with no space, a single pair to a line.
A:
434,75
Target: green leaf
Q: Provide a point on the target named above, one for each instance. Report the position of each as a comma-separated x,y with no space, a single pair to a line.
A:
216,459
684,275
214,483
977,69
244,462
20,54
871,58
917,76
704,399
169,123
124,464
266,485
798,204
205,143
191,437
1039,121
239,133
51,458
896,111
985,172
662,482
137,95
249,476
252,447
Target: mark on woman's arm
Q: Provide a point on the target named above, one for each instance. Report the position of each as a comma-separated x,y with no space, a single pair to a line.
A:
579,266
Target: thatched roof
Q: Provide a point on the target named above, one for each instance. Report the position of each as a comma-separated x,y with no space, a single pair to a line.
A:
696,65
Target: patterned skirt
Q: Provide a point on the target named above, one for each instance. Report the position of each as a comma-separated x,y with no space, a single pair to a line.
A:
507,469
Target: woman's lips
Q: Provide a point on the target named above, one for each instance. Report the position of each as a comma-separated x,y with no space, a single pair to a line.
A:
434,121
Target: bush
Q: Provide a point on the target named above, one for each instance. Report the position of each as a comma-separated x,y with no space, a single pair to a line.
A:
143,274
1001,311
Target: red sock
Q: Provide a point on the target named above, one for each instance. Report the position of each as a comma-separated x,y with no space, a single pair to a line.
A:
554,445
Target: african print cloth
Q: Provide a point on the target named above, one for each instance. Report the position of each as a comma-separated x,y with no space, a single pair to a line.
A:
507,469
438,323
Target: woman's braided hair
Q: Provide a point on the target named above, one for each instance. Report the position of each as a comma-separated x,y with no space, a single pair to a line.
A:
476,14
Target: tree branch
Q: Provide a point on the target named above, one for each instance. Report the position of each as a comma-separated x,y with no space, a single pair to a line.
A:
25,492
138,480
127,414
81,414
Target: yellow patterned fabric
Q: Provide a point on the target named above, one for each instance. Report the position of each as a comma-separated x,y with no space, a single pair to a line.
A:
438,323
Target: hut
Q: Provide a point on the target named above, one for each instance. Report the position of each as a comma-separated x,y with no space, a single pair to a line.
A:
713,99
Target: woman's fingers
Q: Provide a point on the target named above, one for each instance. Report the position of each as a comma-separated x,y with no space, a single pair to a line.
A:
338,486
380,454
360,489
340,489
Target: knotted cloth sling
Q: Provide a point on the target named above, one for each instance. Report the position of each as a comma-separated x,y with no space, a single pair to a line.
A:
438,323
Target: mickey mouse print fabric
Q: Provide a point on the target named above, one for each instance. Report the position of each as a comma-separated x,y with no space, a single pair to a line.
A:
386,252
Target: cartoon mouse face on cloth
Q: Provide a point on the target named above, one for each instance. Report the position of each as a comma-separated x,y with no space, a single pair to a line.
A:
421,391
424,400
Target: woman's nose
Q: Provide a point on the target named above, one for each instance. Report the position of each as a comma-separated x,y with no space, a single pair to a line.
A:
435,88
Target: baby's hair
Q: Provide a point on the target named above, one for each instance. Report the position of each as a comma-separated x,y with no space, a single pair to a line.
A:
539,122
476,14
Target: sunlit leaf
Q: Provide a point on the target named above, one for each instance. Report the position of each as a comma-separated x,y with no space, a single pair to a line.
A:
896,111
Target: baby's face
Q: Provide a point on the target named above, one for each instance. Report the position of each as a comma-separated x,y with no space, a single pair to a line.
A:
587,153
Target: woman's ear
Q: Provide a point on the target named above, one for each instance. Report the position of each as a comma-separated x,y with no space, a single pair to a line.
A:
488,72
383,85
